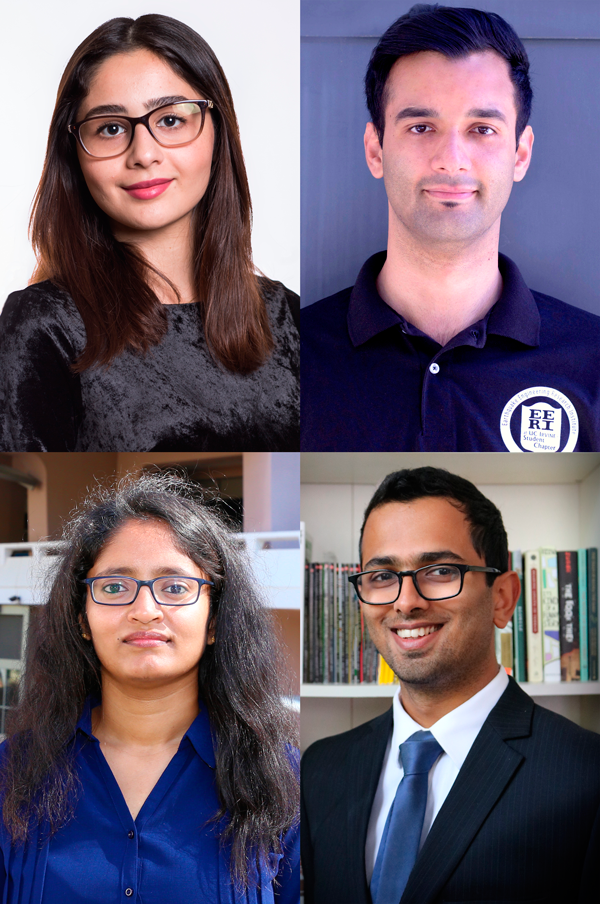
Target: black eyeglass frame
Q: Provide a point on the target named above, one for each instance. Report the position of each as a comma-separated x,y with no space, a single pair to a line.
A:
353,578
144,120
140,584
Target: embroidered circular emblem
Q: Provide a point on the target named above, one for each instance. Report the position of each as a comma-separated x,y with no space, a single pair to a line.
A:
540,425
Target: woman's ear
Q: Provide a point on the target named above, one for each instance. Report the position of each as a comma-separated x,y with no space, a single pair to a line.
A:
84,629
210,639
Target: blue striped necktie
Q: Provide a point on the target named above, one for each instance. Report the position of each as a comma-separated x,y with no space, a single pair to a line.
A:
402,833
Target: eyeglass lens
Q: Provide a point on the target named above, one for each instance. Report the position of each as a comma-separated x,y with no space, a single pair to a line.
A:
107,136
436,582
171,591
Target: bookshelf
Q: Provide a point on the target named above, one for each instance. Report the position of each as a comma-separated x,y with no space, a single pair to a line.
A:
546,500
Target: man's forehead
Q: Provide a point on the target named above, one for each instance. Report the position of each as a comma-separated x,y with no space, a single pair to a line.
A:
411,528
432,80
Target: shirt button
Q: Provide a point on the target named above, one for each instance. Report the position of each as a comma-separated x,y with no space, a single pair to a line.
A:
129,892
434,368
131,834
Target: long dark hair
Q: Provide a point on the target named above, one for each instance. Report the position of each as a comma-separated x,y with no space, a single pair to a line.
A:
107,279
239,677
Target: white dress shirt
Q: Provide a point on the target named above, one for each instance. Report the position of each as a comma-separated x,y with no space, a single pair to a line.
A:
455,733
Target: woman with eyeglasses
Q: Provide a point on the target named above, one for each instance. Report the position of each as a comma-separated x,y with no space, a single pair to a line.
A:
148,758
146,326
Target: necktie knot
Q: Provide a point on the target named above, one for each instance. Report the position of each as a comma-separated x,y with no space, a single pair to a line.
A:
419,752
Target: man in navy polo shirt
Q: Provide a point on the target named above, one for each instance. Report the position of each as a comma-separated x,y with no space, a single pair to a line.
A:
440,345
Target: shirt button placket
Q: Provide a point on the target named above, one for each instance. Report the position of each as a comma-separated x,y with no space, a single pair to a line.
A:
437,430
130,866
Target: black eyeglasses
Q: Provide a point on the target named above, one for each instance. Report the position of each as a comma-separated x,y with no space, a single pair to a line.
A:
170,590
432,582
171,125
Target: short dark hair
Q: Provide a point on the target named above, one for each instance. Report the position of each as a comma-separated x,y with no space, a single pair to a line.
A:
488,534
455,33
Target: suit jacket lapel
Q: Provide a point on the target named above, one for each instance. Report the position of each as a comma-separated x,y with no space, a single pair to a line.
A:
364,768
486,772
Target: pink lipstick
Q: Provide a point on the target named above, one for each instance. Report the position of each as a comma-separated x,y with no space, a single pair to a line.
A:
147,190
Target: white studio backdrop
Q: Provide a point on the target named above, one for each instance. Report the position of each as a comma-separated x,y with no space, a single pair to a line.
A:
258,46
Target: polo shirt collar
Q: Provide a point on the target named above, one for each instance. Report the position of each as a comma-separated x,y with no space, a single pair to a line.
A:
514,316
199,733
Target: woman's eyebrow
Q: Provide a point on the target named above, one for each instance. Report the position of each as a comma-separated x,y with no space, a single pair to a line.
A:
162,101
106,108
149,105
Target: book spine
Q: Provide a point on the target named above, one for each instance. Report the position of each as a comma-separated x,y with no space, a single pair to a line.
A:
520,668
504,647
356,642
550,615
306,650
320,624
312,627
592,585
569,616
332,625
342,581
583,614
533,619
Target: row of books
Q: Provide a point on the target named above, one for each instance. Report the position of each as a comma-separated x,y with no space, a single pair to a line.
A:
337,647
552,637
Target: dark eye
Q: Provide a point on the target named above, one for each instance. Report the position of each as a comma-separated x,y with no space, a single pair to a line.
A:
441,573
110,129
420,129
381,578
170,121
113,587
175,588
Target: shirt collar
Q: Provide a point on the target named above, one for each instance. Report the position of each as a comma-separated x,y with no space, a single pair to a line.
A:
515,315
199,733
456,731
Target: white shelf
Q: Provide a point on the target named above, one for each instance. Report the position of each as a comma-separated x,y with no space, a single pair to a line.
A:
348,690
560,689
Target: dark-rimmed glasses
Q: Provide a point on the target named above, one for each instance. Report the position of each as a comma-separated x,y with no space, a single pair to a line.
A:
432,582
171,125
167,590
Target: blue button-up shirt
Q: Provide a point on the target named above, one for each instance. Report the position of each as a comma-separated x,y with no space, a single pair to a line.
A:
170,854
524,378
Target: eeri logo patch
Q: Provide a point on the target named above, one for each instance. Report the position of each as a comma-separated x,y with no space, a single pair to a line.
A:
547,421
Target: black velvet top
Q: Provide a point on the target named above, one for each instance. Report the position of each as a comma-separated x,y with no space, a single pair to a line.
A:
174,398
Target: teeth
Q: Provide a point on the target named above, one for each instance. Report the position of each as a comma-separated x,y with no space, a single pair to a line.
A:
417,632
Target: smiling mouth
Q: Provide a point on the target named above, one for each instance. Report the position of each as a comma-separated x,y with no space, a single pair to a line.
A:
417,632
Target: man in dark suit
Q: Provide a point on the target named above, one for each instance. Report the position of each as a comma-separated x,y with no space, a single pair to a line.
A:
507,808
